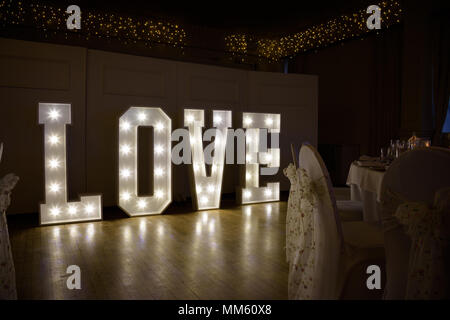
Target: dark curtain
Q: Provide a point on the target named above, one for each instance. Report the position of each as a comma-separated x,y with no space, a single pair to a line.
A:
385,104
440,52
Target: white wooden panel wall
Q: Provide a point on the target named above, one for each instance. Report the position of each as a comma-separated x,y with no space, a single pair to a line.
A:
102,85
115,82
213,88
31,73
294,96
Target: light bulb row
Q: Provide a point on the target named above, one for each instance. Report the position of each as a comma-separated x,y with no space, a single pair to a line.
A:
268,193
72,209
129,122
55,117
126,173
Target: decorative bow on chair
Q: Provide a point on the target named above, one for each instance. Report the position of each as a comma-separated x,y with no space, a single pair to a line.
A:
304,196
428,229
7,272
7,183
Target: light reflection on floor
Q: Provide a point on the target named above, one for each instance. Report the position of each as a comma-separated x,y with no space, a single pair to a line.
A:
235,253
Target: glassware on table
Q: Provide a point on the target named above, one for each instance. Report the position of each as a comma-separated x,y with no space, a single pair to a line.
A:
383,154
390,153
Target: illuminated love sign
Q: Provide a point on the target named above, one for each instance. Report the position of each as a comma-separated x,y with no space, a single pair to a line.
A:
206,189
252,192
56,209
128,175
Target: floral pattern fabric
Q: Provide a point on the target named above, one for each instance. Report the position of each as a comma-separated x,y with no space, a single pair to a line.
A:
7,272
428,229
300,233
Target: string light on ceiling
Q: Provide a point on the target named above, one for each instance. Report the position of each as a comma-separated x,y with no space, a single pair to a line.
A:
94,25
344,27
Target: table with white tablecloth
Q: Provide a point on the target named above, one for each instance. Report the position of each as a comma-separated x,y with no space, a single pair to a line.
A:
365,184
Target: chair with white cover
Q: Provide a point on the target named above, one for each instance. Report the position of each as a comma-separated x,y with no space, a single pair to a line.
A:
415,207
328,249
7,272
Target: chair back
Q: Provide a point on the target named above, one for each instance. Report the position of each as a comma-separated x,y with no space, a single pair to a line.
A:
415,176
326,227
312,162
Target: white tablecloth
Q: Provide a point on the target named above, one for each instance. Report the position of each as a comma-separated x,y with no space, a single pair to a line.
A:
365,186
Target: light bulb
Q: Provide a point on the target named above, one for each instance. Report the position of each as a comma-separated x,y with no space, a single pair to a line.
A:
247,194
159,194
268,157
269,121
125,126
249,158
199,189
142,116
89,208
248,176
211,188
248,121
268,192
72,209
159,149
142,204
125,173
53,139
54,114
55,187
249,139
54,163
55,211
125,149
159,172
159,126
125,196
217,119
190,118
204,200
196,167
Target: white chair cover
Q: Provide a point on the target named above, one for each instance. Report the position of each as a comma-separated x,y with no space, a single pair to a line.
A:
320,257
415,202
293,216
7,272
314,262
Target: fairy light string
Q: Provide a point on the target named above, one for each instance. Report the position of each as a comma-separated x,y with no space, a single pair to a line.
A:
342,28
51,20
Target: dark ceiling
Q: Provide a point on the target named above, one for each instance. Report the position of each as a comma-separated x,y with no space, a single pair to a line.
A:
261,16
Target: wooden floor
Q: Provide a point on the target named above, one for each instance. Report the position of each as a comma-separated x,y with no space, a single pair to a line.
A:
234,253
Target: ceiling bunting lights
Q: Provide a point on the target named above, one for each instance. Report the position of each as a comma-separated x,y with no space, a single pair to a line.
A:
94,25
129,122
56,209
252,192
206,190
344,27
